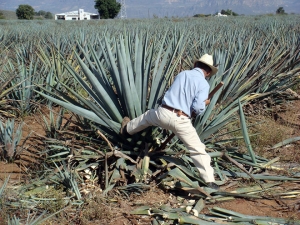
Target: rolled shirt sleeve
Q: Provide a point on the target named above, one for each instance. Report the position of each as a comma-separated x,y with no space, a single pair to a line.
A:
198,106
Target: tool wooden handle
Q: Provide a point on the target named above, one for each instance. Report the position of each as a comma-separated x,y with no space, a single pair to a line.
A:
211,94
164,144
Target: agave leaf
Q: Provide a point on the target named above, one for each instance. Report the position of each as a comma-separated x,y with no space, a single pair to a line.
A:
245,134
40,219
83,112
125,82
178,174
211,130
59,155
189,219
13,221
255,188
67,178
116,173
286,142
199,205
4,185
10,138
132,75
260,177
98,93
143,210
238,217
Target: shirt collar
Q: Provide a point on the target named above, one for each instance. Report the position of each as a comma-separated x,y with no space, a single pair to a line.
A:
199,70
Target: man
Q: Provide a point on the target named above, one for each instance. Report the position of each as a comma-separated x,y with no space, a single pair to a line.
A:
187,97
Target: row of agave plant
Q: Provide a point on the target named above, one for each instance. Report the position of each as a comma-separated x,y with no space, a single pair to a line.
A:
101,72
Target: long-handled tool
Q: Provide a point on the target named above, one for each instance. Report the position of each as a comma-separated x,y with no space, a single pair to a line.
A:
211,94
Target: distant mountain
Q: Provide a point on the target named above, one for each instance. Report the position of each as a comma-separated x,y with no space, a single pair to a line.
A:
162,8
182,8
9,15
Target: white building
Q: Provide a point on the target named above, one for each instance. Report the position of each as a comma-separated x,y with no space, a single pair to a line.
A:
219,14
77,15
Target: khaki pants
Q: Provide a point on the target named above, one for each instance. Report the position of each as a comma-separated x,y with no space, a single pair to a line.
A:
183,129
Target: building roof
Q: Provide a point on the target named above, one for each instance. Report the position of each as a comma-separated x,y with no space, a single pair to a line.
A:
75,13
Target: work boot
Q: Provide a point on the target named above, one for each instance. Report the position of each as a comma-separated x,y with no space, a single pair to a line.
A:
213,185
123,130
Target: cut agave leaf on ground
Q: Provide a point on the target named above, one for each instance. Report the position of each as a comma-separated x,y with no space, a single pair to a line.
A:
178,174
286,142
189,219
143,210
238,217
255,188
261,177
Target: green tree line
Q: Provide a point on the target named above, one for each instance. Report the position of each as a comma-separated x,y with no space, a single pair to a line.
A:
107,9
26,12
1,16
44,14
229,12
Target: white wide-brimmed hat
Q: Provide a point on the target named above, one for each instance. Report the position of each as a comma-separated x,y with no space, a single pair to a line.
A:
208,60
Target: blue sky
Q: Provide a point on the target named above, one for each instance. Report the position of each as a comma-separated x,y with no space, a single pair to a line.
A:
162,8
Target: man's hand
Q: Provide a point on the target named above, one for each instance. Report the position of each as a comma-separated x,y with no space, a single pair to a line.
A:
207,101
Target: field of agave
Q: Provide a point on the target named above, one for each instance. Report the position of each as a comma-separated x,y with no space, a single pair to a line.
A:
87,76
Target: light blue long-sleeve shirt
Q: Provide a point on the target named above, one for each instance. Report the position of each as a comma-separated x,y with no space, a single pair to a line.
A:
188,92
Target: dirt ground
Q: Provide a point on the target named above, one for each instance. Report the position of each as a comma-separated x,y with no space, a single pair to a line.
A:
288,208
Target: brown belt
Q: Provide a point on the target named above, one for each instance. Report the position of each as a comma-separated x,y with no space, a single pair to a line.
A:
178,112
